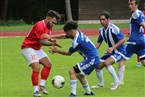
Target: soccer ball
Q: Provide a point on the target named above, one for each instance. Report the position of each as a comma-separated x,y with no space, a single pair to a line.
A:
58,81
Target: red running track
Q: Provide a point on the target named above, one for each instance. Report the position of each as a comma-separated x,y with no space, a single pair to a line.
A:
88,32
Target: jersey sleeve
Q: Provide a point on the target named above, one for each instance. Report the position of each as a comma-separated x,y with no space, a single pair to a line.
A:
100,38
120,35
39,31
74,47
138,17
114,29
72,50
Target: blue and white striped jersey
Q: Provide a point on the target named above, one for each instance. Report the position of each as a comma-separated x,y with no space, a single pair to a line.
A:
136,31
136,41
84,46
112,35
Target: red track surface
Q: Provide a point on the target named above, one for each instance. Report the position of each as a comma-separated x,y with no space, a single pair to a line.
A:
88,32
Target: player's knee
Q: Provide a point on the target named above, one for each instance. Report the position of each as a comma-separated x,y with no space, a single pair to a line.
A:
100,66
36,69
143,64
48,65
143,61
71,71
106,63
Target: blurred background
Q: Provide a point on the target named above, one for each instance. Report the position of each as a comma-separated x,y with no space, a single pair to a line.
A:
30,11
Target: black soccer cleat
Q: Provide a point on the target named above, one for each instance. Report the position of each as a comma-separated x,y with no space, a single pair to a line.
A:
89,94
72,95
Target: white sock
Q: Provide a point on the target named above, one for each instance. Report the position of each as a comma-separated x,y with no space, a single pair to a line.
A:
99,74
121,73
42,82
87,88
35,88
73,84
113,73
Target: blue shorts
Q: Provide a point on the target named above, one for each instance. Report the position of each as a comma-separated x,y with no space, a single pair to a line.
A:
138,49
116,56
87,66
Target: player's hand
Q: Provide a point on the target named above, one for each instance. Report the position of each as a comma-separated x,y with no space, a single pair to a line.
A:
110,50
52,40
53,50
56,44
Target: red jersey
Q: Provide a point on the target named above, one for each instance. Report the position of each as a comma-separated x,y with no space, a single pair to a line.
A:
33,37
143,12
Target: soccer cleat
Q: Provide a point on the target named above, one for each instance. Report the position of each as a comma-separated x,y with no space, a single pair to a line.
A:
122,83
115,86
37,94
98,86
43,90
138,64
89,94
72,95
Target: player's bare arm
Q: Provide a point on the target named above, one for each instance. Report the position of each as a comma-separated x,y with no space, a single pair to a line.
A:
55,50
45,43
98,45
58,36
48,43
116,45
47,40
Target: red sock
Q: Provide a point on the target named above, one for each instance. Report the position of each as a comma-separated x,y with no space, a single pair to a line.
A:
45,72
138,60
34,78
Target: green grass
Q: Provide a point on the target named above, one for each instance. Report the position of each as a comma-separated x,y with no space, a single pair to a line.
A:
58,27
15,75
15,28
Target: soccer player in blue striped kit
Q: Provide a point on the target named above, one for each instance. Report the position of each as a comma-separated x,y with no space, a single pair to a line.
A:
114,39
82,44
136,41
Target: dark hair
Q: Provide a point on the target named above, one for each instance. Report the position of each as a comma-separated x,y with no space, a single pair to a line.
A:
53,14
136,1
70,25
106,14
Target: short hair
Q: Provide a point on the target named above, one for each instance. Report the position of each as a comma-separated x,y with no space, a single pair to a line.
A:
106,14
136,1
52,13
70,25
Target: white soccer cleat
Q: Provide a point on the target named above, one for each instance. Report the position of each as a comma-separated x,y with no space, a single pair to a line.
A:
37,94
43,90
122,83
98,86
115,86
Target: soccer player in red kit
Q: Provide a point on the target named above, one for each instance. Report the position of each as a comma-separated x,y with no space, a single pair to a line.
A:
40,36
138,60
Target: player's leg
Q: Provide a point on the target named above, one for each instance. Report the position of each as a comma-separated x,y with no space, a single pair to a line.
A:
85,84
99,74
45,61
138,62
141,54
35,78
32,58
44,73
112,72
143,61
85,68
121,69
73,81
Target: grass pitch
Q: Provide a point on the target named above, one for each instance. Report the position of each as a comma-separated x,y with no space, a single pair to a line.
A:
15,75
